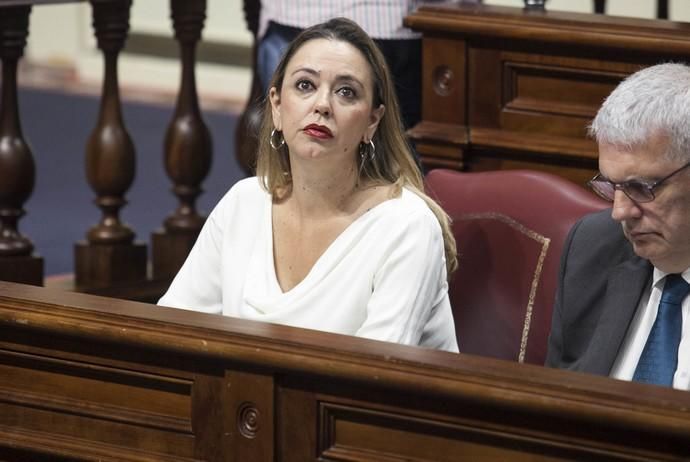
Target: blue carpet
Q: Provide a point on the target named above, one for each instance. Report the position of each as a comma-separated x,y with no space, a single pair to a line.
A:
61,210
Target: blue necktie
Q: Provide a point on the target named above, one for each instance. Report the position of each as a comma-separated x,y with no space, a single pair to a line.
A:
659,358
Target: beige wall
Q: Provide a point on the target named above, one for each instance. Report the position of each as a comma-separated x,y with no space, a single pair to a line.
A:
224,19
74,46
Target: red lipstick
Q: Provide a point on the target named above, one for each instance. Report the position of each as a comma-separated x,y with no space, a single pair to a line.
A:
318,131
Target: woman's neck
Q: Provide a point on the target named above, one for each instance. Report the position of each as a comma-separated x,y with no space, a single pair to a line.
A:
324,190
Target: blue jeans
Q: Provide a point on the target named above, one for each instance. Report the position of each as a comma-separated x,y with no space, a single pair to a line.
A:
271,49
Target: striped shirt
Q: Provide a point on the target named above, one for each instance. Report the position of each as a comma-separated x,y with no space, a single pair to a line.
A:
381,19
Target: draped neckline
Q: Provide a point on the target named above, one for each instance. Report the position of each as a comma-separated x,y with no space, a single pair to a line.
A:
324,262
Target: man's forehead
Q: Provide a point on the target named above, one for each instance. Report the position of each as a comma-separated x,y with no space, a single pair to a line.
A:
646,161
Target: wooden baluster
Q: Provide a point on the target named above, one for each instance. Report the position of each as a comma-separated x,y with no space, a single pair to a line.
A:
110,255
188,149
17,168
246,133
535,5
662,9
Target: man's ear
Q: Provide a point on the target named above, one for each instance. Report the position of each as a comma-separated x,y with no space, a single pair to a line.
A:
274,98
374,119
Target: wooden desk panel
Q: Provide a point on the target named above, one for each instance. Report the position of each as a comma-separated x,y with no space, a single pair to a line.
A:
85,378
506,88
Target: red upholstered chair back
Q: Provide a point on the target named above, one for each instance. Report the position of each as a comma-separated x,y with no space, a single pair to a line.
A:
510,226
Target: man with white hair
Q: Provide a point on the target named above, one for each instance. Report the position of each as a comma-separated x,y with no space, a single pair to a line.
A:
622,308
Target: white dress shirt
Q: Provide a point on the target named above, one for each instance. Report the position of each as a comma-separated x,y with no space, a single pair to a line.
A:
641,325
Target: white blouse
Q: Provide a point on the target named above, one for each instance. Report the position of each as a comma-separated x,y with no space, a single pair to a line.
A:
383,277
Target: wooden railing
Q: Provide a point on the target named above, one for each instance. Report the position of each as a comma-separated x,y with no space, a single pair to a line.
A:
111,260
661,8
17,168
86,378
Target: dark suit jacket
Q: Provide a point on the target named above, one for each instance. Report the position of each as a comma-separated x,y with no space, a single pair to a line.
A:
601,281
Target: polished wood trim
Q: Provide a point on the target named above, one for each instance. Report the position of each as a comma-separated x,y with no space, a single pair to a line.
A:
439,131
362,361
154,383
554,27
541,144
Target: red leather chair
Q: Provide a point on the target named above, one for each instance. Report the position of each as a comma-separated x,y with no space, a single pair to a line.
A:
510,226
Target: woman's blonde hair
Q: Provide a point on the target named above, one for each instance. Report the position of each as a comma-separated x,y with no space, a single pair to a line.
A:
393,162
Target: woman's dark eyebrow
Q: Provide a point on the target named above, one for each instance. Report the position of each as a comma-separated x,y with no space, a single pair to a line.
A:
339,78
308,70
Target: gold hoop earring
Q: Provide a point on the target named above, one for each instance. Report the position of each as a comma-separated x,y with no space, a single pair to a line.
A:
276,144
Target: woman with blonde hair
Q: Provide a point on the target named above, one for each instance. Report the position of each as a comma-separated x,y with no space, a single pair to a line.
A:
334,233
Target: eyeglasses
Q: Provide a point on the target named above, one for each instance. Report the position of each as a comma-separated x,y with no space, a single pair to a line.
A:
636,190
